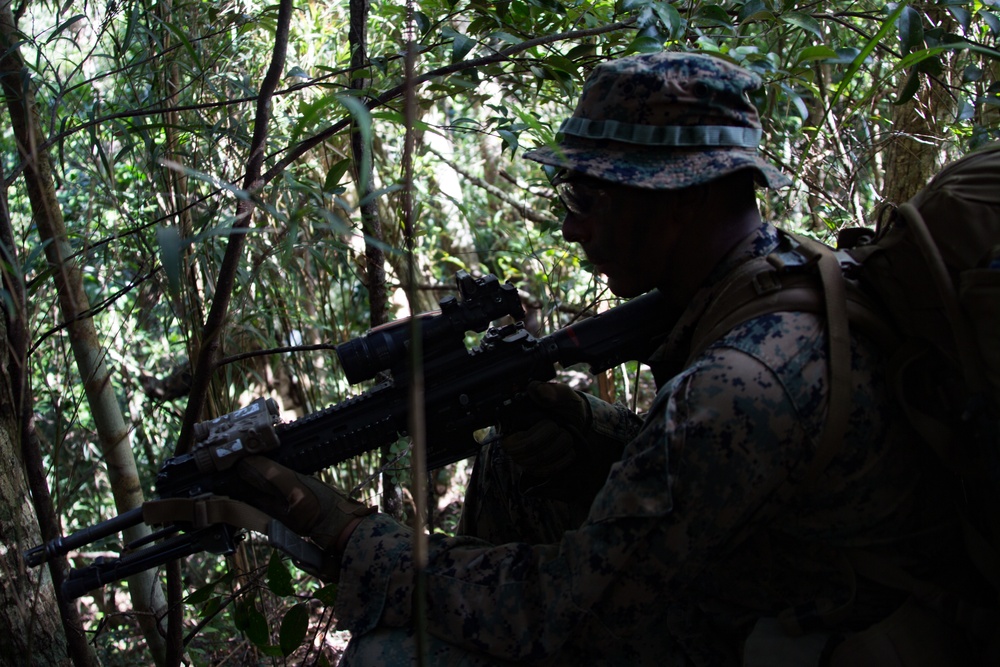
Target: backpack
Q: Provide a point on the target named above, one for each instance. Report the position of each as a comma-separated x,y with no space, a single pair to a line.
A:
925,284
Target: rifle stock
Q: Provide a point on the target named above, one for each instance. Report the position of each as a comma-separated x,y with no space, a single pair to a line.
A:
465,390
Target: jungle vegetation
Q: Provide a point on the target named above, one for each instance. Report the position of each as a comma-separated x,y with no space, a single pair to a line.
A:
200,198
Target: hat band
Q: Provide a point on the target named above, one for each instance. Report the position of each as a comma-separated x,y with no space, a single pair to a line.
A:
662,135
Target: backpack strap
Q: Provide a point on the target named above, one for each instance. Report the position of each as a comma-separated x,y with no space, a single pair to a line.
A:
950,446
965,341
786,281
838,360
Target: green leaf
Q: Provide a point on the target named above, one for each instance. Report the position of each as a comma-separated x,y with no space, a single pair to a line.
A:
130,28
461,47
845,55
713,15
279,578
670,18
363,120
931,65
271,651
422,23
991,20
181,36
819,52
797,102
509,140
910,87
211,608
972,73
334,174
751,10
239,616
327,595
962,15
171,253
804,21
256,627
855,65
312,112
560,62
375,194
645,44
581,51
202,594
293,628
965,111
65,24
506,37
911,29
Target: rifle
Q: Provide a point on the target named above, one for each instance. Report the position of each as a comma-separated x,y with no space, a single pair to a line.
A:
466,390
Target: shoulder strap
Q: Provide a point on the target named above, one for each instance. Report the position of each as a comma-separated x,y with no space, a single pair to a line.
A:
787,282
965,342
839,358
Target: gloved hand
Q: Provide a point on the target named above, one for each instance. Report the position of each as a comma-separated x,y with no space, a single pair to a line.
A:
303,503
557,418
567,435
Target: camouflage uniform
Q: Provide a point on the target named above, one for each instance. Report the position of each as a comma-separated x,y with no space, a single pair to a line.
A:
701,528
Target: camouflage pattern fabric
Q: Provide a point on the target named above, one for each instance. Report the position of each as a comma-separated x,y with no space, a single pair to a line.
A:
663,121
700,529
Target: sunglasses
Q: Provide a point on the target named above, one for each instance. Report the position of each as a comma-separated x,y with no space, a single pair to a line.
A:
579,194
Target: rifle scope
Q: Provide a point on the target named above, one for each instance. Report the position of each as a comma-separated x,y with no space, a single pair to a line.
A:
483,300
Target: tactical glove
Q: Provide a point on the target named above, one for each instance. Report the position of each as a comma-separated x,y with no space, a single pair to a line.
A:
572,442
304,504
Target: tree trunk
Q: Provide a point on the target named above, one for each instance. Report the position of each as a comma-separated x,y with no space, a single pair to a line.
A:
915,153
17,426
147,596
32,633
917,150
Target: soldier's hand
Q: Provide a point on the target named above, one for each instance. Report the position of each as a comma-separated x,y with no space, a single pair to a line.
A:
549,445
303,503
570,433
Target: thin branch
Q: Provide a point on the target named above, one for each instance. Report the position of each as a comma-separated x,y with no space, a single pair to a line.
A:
391,94
522,208
252,182
93,310
288,349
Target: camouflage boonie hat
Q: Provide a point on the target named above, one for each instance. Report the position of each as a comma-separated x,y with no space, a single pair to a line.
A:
663,121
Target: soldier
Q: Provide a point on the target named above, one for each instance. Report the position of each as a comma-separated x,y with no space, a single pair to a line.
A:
688,537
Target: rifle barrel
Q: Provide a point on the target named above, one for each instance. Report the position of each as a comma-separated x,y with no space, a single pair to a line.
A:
61,546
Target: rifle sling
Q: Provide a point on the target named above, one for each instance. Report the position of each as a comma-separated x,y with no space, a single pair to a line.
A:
202,512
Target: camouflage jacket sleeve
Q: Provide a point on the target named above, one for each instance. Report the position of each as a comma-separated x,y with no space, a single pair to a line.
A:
701,470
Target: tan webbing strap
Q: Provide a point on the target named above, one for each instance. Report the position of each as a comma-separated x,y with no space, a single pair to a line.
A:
746,304
747,296
838,361
742,292
205,511
798,293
